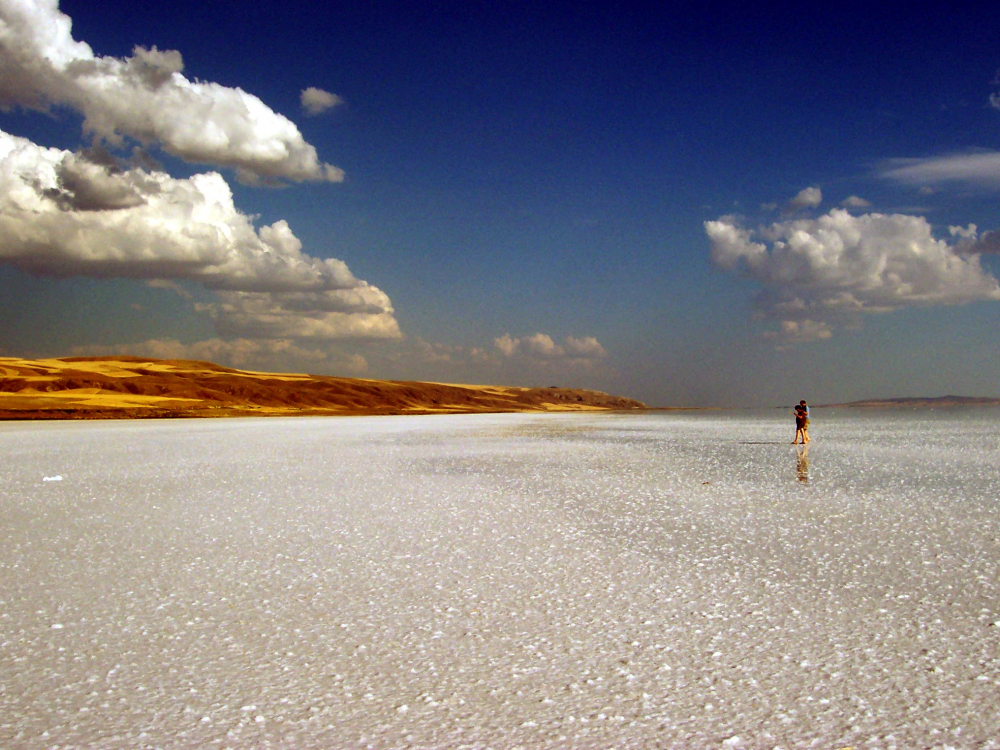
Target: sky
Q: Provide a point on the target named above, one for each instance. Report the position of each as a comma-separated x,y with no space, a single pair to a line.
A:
688,204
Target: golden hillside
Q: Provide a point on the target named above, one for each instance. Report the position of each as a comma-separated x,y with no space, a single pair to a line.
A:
134,387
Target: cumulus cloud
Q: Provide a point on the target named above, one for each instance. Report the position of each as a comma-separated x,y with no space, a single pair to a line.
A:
586,347
62,214
854,201
316,101
980,168
541,348
94,214
147,97
816,273
507,345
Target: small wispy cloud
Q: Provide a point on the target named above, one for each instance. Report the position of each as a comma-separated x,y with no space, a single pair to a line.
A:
809,197
171,285
800,332
316,101
855,201
541,347
981,168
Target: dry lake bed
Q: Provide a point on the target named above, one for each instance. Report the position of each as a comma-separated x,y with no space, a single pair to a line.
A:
611,580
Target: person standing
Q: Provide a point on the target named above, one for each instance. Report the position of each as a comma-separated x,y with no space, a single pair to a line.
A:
801,412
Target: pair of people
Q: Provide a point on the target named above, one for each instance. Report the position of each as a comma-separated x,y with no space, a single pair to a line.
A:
801,412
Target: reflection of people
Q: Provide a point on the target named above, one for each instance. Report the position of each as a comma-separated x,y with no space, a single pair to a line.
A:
802,467
801,412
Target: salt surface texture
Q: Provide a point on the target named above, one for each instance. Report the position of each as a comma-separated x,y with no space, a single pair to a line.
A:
506,580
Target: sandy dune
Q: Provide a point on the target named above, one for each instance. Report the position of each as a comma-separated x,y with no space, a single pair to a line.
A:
128,387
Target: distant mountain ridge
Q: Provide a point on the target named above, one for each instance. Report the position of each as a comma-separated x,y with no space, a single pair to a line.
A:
122,387
920,402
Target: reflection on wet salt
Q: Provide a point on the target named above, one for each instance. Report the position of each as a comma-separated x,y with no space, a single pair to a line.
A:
802,464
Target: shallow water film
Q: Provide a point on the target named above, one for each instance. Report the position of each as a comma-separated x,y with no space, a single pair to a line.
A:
613,580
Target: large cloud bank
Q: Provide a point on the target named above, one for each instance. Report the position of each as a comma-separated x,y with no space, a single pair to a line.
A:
818,273
64,214
90,214
146,97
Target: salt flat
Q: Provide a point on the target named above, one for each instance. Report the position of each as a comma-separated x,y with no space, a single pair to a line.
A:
609,580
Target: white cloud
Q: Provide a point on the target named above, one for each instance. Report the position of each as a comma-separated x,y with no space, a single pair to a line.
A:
525,359
146,97
62,215
854,201
587,347
980,168
966,233
315,101
800,331
88,213
819,272
363,312
809,197
507,345
540,347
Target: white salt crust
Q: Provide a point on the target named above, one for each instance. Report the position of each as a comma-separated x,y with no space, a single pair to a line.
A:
657,580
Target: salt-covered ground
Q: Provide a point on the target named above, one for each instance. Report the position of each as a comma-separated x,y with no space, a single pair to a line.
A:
500,581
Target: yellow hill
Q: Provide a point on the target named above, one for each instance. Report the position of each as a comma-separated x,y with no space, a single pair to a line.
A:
129,387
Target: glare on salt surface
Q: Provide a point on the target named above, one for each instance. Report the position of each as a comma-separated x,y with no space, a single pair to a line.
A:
677,580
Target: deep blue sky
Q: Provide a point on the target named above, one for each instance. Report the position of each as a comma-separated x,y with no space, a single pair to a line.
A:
514,168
